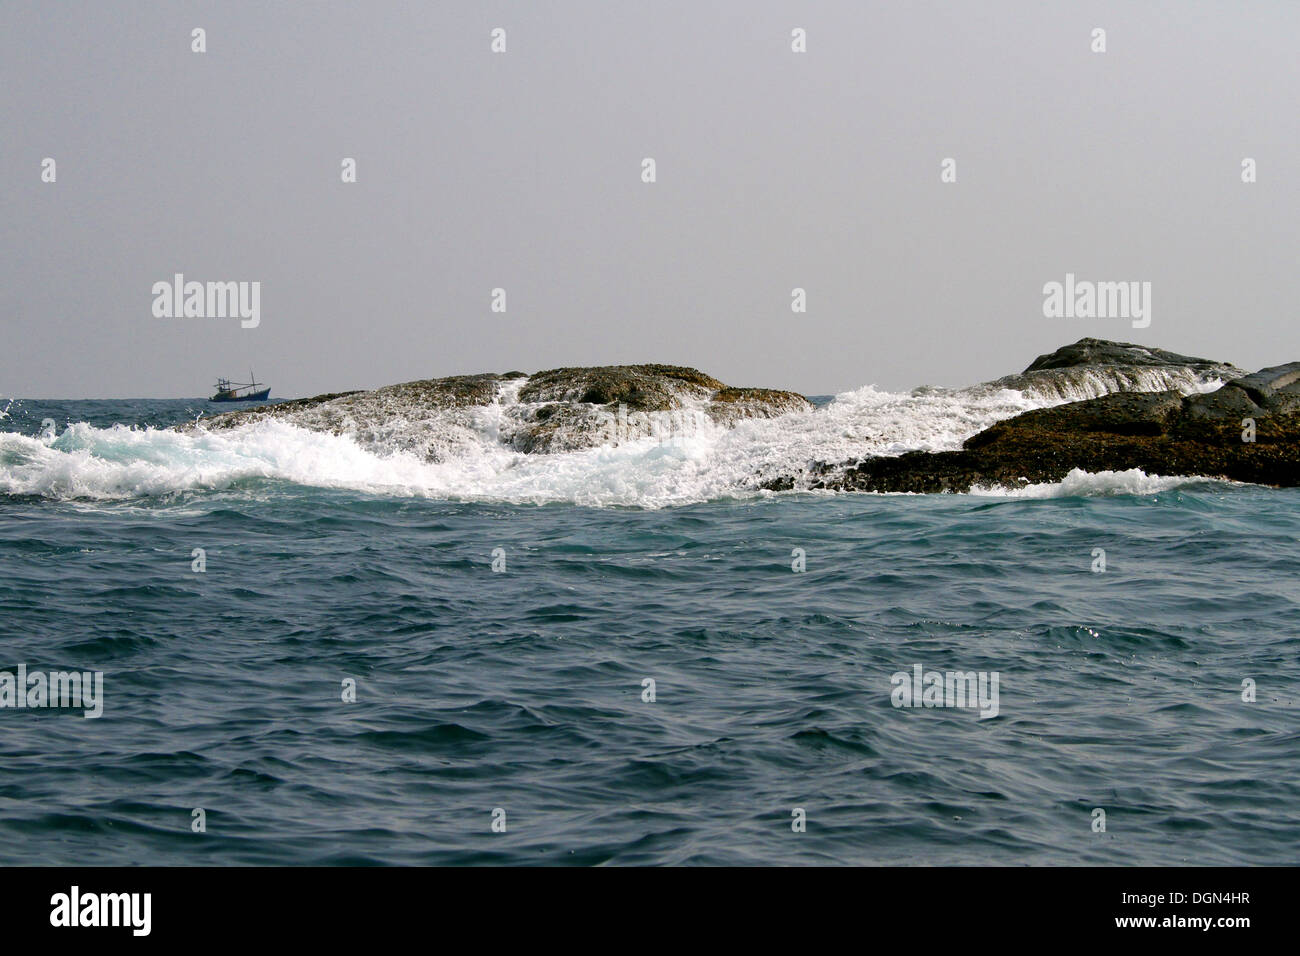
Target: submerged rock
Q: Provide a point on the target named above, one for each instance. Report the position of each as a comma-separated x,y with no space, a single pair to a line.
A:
561,409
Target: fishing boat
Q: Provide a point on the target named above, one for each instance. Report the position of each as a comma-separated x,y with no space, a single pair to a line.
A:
228,391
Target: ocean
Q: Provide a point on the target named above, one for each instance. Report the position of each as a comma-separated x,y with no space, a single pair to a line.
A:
632,654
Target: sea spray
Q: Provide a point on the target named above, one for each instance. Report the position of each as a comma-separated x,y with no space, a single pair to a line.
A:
466,454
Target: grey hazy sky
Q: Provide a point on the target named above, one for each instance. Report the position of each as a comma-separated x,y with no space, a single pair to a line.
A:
522,170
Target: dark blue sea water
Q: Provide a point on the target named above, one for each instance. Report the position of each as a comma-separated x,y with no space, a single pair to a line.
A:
523,689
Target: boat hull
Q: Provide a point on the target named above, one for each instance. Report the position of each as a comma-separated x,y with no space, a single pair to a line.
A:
250,397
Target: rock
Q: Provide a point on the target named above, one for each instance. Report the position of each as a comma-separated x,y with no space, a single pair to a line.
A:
336,410
1120,413
1091,368
1089,351
561,409
1164,433
433,419
642,388
731,405
569,408
1276,389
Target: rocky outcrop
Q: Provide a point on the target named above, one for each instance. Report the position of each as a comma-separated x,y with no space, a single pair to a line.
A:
1091,368
1247,430
1102,352
1098,406
641,388
561,409
567,408
336,411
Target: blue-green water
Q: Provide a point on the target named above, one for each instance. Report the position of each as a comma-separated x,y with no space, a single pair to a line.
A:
522,689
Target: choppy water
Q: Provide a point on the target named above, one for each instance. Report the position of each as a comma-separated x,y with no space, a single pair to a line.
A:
522,690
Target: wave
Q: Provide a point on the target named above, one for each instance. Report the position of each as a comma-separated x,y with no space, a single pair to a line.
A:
1078,384
1079,483
463,454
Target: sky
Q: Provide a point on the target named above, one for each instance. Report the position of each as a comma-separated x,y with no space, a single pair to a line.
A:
522,170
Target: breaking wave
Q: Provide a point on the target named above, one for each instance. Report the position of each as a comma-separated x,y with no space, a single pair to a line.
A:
698,460
1080,483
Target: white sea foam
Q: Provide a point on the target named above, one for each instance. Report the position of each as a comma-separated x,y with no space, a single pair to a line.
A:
475,462
1080,483
1086,381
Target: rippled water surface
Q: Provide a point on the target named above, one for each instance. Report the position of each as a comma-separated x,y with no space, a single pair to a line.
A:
523,689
